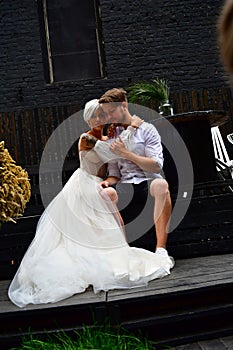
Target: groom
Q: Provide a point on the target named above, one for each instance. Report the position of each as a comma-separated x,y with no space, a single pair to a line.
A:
137,172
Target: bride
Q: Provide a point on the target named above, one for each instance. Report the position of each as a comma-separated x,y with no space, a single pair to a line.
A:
80,239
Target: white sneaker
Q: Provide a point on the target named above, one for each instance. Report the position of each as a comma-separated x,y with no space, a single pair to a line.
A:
161,251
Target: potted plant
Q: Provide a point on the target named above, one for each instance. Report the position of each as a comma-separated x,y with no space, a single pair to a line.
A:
15,189
154,94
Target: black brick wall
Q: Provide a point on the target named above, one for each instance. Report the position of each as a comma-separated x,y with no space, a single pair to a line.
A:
143,39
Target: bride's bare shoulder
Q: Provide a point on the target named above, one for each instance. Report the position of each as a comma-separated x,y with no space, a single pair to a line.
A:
87,141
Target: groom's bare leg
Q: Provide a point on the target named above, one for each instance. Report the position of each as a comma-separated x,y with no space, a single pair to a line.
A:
162,210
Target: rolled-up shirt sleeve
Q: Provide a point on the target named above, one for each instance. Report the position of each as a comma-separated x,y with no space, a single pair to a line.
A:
153,146
113,170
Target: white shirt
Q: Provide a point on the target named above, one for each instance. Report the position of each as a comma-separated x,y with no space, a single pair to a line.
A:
147,143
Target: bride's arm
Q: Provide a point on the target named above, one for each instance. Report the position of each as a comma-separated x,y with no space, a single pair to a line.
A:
87,141
104,151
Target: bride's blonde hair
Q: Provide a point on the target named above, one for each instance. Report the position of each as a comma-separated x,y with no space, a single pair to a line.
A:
90,109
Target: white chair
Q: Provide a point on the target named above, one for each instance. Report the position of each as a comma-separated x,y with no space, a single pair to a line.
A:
222,158
230,138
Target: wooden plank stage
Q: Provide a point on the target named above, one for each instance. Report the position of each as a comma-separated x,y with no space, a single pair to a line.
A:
194,302
222,343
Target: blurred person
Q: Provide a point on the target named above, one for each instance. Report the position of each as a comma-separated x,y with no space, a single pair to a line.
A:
225,31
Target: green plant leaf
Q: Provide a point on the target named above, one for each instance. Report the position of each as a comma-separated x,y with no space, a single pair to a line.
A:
149,93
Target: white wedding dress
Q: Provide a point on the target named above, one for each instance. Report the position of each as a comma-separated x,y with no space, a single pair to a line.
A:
80,242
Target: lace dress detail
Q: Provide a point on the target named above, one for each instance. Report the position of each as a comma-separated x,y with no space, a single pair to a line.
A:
90,162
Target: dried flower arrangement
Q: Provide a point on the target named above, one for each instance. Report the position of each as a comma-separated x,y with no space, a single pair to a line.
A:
15,188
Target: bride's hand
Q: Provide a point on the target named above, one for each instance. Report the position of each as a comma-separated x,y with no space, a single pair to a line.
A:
104,184
136,121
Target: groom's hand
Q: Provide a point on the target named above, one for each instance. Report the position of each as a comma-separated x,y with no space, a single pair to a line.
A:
136,121
118,147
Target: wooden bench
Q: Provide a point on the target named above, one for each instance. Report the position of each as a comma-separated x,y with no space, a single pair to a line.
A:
206,229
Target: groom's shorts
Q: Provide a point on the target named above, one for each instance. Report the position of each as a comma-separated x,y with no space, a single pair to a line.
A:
133,199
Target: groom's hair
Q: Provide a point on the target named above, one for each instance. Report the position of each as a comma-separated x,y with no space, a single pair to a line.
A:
114,95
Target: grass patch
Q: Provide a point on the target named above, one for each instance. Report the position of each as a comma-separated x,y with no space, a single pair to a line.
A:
95,338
